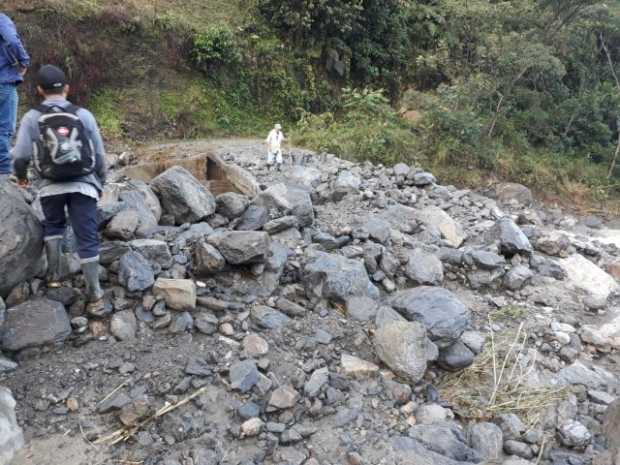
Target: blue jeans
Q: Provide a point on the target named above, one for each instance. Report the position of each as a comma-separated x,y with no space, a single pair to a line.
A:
83,216
8,121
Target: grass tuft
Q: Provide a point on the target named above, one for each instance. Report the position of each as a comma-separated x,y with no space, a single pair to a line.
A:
499,381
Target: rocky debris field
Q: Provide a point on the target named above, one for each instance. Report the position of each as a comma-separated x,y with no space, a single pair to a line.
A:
347,314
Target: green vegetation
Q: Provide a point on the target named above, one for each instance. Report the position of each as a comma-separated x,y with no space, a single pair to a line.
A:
523,90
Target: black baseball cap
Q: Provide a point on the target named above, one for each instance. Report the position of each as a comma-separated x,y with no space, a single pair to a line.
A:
51,77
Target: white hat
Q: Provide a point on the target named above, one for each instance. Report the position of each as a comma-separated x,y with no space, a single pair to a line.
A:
278,126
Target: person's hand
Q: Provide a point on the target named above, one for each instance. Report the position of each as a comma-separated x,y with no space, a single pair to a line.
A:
23,183
22,71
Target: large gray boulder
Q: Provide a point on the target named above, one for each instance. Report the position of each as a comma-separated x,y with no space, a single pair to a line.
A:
404,347
290,200
241,247
141,208
21,239
443,314
11,435
424,268
336,278
182,196
34,323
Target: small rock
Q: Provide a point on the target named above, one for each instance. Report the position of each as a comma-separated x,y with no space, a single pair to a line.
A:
124,325
456,357
284,397
255,346
317,380
574,434
520,449
252,427
243,375
487,439
432,413
355,367
248,410
179,294
511,425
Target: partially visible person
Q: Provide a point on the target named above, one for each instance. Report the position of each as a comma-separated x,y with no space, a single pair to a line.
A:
14,62
65,147
274,147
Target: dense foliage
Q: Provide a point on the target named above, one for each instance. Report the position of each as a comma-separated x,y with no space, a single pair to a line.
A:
498,83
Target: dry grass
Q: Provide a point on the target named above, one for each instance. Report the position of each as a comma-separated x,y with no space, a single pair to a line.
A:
497,382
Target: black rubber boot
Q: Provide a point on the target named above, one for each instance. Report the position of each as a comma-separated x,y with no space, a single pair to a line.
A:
53,250
94,293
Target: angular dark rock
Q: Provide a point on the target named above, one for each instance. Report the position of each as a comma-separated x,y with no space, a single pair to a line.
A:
241,247
34,323
334,277
135,272
443,314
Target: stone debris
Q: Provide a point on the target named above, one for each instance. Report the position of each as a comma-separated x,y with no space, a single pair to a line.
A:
319,320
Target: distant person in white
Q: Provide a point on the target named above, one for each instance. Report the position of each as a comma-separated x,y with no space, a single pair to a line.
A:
274,147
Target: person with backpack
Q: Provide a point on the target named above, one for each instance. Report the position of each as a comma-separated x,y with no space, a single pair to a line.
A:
14,62
63,143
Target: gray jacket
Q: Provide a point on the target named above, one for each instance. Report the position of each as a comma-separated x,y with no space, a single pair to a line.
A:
28,134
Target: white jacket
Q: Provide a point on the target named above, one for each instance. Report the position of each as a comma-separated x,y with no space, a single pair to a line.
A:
274,140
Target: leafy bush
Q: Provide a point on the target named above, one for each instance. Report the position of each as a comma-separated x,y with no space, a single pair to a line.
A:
214,47
364,128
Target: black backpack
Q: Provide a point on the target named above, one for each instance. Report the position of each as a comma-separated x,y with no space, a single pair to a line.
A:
63,150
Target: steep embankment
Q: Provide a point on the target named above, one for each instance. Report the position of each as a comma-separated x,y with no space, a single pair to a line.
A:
152,70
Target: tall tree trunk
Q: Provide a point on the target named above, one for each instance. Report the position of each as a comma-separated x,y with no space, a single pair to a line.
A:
612,167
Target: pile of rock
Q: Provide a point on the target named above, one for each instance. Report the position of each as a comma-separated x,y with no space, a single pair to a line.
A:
413,266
